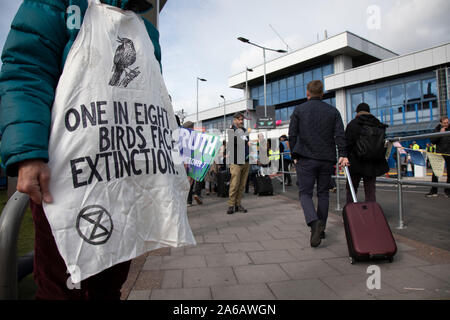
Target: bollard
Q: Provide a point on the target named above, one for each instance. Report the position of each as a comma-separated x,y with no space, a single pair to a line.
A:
400,192
282,170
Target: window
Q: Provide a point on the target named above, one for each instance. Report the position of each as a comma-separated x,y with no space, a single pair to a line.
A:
317,74
282,84
269,98
255,93
284,116
327,70
278,114
397,115
410,100
275,88
283,96
384,97
370,97
397,95
413,95
261,91
299,92
413,92
299,80
291,94
291,82
261,101
356,99
307,77
430,110
275,98
429,89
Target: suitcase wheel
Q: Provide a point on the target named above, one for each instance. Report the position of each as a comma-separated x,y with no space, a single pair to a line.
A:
391,259
352,260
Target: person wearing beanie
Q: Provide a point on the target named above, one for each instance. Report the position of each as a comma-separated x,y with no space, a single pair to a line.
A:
366,169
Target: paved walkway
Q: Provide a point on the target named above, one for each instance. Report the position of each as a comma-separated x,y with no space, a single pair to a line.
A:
265,255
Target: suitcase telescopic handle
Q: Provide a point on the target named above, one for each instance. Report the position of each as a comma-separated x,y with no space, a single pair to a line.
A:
352,189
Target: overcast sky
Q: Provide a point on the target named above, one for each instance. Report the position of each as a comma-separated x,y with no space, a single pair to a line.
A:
198,37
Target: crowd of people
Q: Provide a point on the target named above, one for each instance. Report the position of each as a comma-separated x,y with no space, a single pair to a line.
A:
316,128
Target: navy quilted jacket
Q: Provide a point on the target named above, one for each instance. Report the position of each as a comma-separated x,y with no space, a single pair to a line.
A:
314,131
33,59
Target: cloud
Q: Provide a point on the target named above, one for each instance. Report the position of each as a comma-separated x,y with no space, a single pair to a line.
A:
411,25
198,37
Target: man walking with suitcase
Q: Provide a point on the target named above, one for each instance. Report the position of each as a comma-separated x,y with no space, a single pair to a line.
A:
314,131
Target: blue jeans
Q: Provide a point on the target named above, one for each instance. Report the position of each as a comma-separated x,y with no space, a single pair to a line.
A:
310,171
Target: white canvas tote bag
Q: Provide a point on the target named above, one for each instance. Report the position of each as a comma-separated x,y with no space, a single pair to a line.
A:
117,190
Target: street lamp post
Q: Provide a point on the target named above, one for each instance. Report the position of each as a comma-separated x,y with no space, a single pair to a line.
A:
264,56
224,116
197,94
247,96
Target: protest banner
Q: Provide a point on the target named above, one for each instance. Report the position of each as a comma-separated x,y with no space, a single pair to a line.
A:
416,157
198,151
437,163
388,150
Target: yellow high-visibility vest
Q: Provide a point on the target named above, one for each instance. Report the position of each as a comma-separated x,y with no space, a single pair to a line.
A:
274,155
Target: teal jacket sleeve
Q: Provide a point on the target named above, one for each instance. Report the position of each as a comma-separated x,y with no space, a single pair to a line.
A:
154,36
32,58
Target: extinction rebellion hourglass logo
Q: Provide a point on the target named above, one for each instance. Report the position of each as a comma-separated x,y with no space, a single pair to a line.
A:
124,57
94,225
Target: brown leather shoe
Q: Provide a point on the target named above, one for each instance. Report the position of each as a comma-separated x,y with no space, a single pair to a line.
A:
197,199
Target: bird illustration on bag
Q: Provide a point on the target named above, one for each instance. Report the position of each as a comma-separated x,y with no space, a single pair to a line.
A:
124,57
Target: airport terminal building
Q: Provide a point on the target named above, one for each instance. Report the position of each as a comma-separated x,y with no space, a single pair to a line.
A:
408,92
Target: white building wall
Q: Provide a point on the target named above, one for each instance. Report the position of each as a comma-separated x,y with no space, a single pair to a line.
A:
390,67
341,104
341,64
230,108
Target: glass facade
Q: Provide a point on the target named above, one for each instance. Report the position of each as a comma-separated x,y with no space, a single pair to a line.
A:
401,101
217,123
290,88
284,114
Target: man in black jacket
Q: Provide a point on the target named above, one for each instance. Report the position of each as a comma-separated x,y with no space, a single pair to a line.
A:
367,169
314,131
239,168
442,146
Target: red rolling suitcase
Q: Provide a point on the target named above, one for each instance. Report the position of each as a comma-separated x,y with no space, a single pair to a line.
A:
367,230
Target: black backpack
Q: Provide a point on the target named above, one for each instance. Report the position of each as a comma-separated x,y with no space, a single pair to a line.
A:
370,144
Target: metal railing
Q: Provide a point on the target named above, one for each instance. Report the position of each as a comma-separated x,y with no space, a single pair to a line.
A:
10,222
399,181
